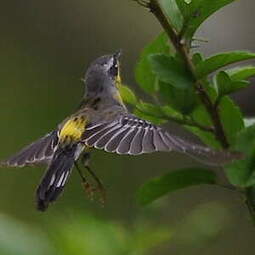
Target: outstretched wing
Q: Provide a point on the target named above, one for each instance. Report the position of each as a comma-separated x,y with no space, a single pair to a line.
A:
131,135
40,151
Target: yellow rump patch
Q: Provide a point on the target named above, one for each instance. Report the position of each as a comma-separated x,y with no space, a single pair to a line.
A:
73,129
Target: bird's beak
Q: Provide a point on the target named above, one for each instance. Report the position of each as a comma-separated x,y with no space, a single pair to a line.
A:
117,54
116,57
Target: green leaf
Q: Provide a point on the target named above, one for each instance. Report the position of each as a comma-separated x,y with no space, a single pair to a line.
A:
150,112
172,13
206,137
171,70
182,100
127,95
226,85
195,12
242,172
218,61
241,73
143,73
231,118
152,109
173,181
161,113
211,90
153,119
245,141
196,58
201,116
170,112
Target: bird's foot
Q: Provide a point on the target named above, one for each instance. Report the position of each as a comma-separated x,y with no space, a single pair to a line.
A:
89,190
98,192
99,189
94,193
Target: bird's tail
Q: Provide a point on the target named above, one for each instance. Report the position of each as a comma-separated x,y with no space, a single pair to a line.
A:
56,176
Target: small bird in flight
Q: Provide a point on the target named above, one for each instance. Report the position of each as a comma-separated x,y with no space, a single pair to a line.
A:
102,121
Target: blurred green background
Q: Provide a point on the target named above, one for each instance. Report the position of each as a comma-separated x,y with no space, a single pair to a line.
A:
45,47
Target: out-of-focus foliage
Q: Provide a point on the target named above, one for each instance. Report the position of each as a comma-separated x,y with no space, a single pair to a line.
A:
83,234
18,238
202,225
87,234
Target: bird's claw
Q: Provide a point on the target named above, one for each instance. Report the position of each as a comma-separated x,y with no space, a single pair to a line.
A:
93,192
97,192
89,190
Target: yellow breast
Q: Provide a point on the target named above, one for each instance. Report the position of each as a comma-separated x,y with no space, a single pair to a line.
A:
73,129
117,95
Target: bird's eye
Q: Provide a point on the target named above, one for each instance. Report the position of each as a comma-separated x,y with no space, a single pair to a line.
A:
114,70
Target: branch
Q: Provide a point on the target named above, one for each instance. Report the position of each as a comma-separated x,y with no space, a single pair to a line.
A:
182,47
143,3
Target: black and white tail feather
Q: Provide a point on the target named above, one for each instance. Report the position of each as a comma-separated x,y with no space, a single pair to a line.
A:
56,176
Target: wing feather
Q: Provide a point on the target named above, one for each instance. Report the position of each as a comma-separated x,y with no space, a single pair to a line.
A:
106,137
136,147
159,142
40,151
97,135
125,143
113,143
148,141
131,135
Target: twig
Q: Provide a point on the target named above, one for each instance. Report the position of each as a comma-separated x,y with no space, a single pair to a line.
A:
200,39
183,49
143,3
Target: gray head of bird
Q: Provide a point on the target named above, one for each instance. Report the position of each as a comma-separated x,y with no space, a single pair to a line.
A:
102,76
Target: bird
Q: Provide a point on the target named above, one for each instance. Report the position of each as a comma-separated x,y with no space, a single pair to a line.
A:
101,121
